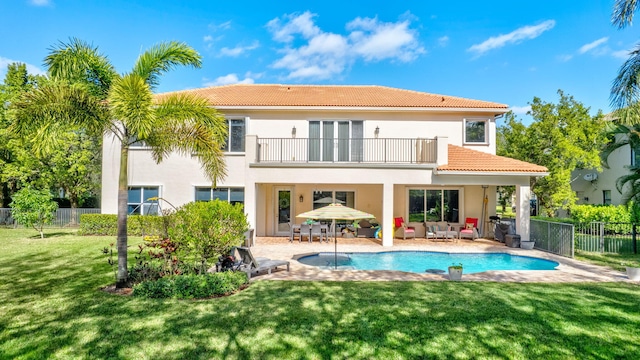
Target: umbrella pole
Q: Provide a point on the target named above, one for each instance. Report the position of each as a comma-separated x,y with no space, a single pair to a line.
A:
335,244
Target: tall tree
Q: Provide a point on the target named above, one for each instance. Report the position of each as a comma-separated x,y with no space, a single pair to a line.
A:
625,91
16,81
88,94
563,137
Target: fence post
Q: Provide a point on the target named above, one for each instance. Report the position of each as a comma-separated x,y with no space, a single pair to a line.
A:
601,235
633,239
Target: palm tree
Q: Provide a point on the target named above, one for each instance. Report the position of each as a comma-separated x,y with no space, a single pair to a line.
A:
87,93
622,135
625,91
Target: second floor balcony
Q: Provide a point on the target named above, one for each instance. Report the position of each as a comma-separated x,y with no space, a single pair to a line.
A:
359,150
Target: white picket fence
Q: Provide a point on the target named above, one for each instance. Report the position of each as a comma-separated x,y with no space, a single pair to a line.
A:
64,217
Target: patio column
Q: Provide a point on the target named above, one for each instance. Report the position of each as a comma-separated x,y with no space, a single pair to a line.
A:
523,195
250,191
387,214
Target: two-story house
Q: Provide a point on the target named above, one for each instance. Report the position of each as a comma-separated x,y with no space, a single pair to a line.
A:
386,151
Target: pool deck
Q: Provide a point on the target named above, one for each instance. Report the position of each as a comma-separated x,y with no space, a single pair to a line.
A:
280,248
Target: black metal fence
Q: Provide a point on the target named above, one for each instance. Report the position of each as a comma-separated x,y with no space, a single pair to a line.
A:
607,237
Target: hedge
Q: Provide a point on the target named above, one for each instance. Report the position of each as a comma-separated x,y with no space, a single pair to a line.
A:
192,286
106,224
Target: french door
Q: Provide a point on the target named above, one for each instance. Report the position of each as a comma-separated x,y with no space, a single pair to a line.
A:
283,211
335,141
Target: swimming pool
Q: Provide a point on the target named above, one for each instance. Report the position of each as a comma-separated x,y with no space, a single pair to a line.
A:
421,261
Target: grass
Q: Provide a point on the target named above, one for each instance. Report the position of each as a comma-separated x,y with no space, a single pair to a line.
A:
51,307
614,261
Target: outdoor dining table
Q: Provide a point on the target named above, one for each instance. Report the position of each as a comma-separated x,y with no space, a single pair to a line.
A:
295,228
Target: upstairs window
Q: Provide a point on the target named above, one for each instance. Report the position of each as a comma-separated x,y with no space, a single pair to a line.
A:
476,131
235,140
635,157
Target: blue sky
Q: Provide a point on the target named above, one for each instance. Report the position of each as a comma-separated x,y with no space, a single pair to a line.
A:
502,51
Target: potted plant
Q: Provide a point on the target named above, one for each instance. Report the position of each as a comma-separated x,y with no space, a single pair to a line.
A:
527,245
455,272
633,270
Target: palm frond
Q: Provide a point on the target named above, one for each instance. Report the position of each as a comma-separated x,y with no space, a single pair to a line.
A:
163,57
629,186
625,91
188,125
57,105
623,11
79,61
131,103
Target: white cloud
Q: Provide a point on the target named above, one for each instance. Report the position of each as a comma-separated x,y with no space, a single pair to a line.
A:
238,50
207,38
443,41
31,69
517,36
222,26
565,57
520,110
592,45
621,54
309,52
40,2
228,79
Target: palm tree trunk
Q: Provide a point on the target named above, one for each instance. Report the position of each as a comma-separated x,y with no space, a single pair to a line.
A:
123,274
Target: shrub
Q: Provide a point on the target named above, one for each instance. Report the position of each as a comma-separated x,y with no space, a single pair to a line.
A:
192,286
207,230
614,215
33,208
107,224
157,289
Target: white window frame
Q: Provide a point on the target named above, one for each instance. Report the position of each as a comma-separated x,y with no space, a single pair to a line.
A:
143,199
486,131
228,142
211,189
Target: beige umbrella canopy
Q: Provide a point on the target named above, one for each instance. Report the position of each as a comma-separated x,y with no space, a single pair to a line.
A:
336,212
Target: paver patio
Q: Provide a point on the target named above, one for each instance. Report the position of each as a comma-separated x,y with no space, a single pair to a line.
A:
569,270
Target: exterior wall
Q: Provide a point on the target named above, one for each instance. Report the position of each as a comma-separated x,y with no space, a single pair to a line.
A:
591,192
178,175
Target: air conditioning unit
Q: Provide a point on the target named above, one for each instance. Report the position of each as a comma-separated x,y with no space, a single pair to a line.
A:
590,176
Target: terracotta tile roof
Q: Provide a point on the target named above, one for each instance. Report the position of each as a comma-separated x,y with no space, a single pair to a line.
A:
332,96
463,159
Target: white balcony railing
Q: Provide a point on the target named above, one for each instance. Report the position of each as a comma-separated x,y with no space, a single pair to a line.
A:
369,151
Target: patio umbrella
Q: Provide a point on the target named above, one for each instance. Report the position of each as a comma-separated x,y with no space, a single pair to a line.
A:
327,200
336,212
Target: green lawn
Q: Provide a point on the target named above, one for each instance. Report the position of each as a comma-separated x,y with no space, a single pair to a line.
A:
51,307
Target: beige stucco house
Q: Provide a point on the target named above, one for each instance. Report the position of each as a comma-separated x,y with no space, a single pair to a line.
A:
387,151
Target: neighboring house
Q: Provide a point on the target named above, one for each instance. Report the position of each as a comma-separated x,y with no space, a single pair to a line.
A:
291,148
599,187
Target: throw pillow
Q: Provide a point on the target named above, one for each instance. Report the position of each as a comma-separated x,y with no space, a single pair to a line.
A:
469,226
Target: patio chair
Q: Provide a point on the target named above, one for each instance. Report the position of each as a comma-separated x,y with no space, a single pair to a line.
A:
316,230
402,230
470,229
430,230
305,230
252,265
445,231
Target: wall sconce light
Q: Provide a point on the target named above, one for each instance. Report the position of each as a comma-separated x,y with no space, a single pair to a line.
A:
376,132
301,198
293,132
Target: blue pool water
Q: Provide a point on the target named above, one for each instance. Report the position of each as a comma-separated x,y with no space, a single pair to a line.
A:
421,261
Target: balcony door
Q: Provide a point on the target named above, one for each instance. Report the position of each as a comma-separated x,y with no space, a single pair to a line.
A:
336,141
